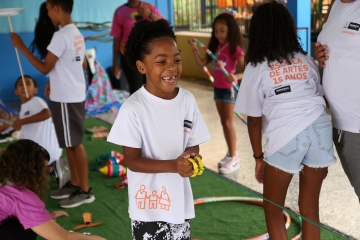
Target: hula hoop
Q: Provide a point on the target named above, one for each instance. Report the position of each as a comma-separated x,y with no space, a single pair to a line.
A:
249,200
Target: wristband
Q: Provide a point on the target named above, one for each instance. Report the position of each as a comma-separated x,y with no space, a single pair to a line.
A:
201,165
261,156
195,166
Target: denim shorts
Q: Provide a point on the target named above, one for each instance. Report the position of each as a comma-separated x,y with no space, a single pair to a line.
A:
224,95
312,147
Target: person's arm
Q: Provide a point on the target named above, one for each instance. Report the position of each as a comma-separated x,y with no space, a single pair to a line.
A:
199,60
52,231
41,116
241,63
254,129
116,50
150,13
237,76
320,53
136,163
44,67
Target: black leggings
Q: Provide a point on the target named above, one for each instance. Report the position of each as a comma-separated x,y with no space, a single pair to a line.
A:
11,229
134,77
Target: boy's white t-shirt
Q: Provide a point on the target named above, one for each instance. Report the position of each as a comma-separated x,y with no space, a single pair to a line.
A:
163,129
67,81
287,97
341,78
42,132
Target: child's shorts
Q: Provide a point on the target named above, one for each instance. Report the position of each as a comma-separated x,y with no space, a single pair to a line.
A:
224,95
69,121
312,147
160,230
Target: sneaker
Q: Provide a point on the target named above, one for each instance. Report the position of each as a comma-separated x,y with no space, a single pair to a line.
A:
224,160
77,198
63,171
232,164
64,192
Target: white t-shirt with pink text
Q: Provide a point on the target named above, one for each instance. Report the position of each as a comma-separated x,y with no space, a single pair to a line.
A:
67,80
287,97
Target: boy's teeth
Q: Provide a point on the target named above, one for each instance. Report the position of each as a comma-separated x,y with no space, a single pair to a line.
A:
169,78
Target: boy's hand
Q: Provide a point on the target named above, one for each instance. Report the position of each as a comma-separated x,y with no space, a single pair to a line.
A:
17,125
184,166
47,90
16,41
54,215
321,54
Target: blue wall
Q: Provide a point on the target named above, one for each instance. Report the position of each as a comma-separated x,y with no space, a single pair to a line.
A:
24,23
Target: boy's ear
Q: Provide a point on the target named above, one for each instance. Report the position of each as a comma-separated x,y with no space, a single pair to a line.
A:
15,92
140,66
36,90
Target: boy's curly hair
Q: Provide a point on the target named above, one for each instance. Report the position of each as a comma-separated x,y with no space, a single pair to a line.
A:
23,164
272,35
234,35
142,35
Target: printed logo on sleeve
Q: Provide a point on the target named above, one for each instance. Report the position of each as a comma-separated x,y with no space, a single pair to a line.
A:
281,90
26,113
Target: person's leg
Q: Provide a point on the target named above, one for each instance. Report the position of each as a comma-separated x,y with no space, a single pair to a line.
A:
74,178
276,183
309,193
226,113
134,77
75,128
348,148
11,229
79,162
60,116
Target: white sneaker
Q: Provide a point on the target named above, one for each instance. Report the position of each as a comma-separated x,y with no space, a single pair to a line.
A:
224,160
232,164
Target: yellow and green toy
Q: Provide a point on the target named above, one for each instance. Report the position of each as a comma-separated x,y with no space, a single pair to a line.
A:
198,166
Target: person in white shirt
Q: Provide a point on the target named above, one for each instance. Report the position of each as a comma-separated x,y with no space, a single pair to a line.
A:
282,96
159,128
63,63
35,122
338,52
